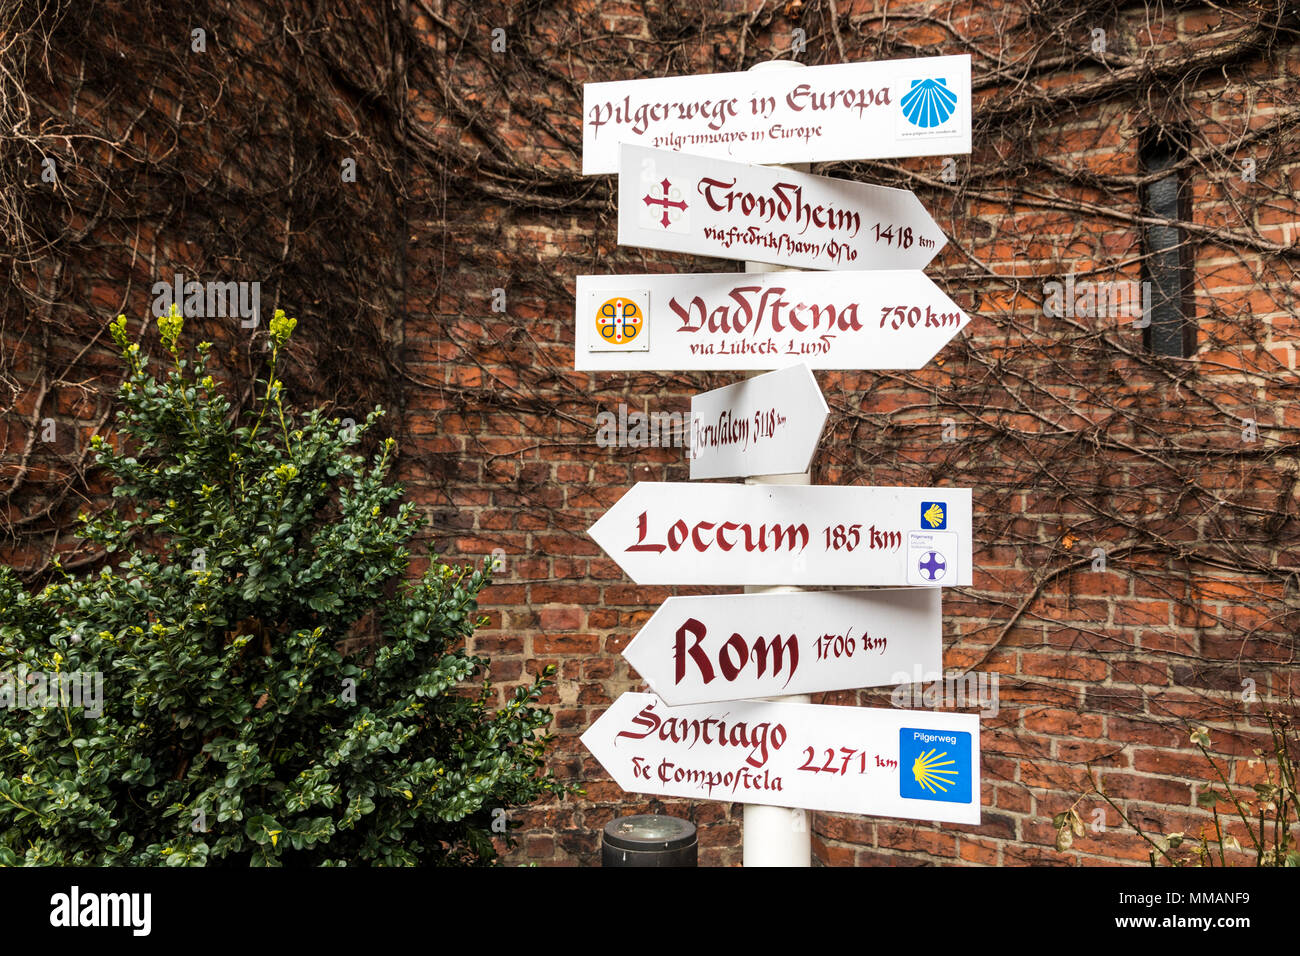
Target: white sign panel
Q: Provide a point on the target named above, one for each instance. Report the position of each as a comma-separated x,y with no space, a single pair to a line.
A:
915,107
766,425
734,646
711,207
915,765
828,320
663,532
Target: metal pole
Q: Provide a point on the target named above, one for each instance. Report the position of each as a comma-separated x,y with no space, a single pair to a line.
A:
777,836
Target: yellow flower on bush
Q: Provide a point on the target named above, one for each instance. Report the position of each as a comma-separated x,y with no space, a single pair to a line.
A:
282,327
169,328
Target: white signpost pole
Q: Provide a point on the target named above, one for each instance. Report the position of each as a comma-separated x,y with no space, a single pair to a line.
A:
777,836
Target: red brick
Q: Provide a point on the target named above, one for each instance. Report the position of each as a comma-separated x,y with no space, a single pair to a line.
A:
1127,786
566,644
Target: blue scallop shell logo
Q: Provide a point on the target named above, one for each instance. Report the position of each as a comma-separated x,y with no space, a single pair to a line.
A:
928,103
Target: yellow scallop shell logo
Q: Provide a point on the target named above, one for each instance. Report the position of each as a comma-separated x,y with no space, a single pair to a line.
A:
619,321
932,771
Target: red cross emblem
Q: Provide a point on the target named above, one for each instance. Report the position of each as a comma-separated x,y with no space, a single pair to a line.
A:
665,202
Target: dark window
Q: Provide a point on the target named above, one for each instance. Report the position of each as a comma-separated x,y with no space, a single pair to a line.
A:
1167,263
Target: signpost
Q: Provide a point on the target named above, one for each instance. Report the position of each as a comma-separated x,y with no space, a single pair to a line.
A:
664,532
766,425
711,207
776,532
734,646
832,320
915,765
885,108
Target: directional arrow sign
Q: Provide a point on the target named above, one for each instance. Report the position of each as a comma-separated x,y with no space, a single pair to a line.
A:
842,320
733,646
711,207
766,425
917,765
664,532
916,107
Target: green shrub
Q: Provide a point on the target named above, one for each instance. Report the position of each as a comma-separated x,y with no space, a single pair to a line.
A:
245,719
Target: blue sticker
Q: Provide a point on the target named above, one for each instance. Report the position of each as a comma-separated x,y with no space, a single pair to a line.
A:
934,515
928,103
934,765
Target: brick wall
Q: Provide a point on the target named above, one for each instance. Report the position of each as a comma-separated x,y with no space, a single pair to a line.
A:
1072,435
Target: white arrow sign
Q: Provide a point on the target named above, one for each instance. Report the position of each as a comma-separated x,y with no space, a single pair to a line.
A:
916,107
916,765
766,425
734,646
839,320
663,532
710,207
